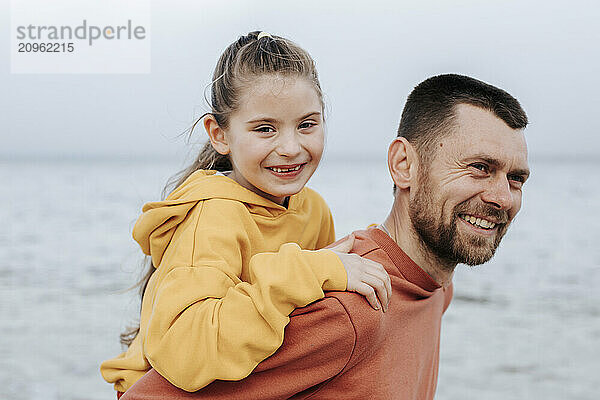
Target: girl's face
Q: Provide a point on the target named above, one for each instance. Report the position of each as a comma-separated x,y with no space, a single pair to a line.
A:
275,138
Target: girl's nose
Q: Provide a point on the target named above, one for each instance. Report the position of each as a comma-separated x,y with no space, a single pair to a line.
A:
289,145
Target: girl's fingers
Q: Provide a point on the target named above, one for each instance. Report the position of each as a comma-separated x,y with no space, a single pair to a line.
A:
378,285
368,278
369,293
345,245
384,277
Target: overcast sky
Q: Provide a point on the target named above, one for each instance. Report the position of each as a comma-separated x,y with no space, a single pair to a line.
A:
369,54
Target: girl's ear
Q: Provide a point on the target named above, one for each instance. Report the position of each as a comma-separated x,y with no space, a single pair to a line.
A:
402,163
216,135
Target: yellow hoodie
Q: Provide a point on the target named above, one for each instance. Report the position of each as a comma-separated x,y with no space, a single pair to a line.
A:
230,270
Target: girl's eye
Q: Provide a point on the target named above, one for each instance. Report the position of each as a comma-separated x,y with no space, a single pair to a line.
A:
264,129
306,125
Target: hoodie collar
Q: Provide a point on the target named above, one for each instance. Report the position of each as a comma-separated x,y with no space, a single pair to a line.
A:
206,184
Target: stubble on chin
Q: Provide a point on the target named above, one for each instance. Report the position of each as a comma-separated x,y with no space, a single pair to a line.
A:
473,249
445,241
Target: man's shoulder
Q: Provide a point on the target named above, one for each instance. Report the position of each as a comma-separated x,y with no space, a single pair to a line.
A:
348,314
331,330
353,304
363,242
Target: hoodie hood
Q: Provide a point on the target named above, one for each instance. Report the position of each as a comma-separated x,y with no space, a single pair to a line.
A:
157,224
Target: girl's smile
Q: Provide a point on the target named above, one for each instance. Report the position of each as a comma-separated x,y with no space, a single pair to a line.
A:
287,171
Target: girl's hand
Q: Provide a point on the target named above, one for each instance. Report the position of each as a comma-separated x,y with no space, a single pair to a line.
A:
366,277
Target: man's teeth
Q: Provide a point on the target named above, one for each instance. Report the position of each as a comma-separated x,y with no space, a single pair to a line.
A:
480,222
280,170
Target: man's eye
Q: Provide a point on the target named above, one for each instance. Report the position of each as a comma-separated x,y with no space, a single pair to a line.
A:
480,166
516,178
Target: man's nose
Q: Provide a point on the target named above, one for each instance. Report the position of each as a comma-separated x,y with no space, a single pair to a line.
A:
498,194
289,144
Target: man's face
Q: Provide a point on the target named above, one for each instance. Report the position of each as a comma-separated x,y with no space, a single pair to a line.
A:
469,194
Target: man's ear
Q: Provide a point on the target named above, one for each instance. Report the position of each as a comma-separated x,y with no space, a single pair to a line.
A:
216,135
402,162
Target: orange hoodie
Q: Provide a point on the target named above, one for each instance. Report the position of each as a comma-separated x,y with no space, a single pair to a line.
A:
230,270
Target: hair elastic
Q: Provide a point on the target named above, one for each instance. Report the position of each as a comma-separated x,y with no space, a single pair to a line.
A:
263,34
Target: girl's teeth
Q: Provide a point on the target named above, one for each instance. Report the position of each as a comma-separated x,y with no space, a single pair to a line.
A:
281,170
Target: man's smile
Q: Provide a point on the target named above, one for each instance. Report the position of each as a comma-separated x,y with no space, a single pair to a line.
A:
478,221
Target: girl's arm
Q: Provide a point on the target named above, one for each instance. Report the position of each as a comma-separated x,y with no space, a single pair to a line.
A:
319,343
206,324
197,336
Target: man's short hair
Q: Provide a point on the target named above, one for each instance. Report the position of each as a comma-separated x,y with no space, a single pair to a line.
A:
429,111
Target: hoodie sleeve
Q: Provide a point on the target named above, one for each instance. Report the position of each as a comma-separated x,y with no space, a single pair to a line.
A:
206,323
319,342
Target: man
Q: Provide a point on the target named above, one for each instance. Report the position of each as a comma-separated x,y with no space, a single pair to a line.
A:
458,164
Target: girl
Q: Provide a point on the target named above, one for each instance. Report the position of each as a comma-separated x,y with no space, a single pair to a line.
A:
227,246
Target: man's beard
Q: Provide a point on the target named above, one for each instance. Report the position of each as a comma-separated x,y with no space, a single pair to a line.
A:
444,240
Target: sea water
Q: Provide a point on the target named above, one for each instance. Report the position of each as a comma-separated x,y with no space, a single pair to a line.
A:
526,325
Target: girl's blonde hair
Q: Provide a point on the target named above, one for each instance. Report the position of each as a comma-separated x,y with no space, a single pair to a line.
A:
248,58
